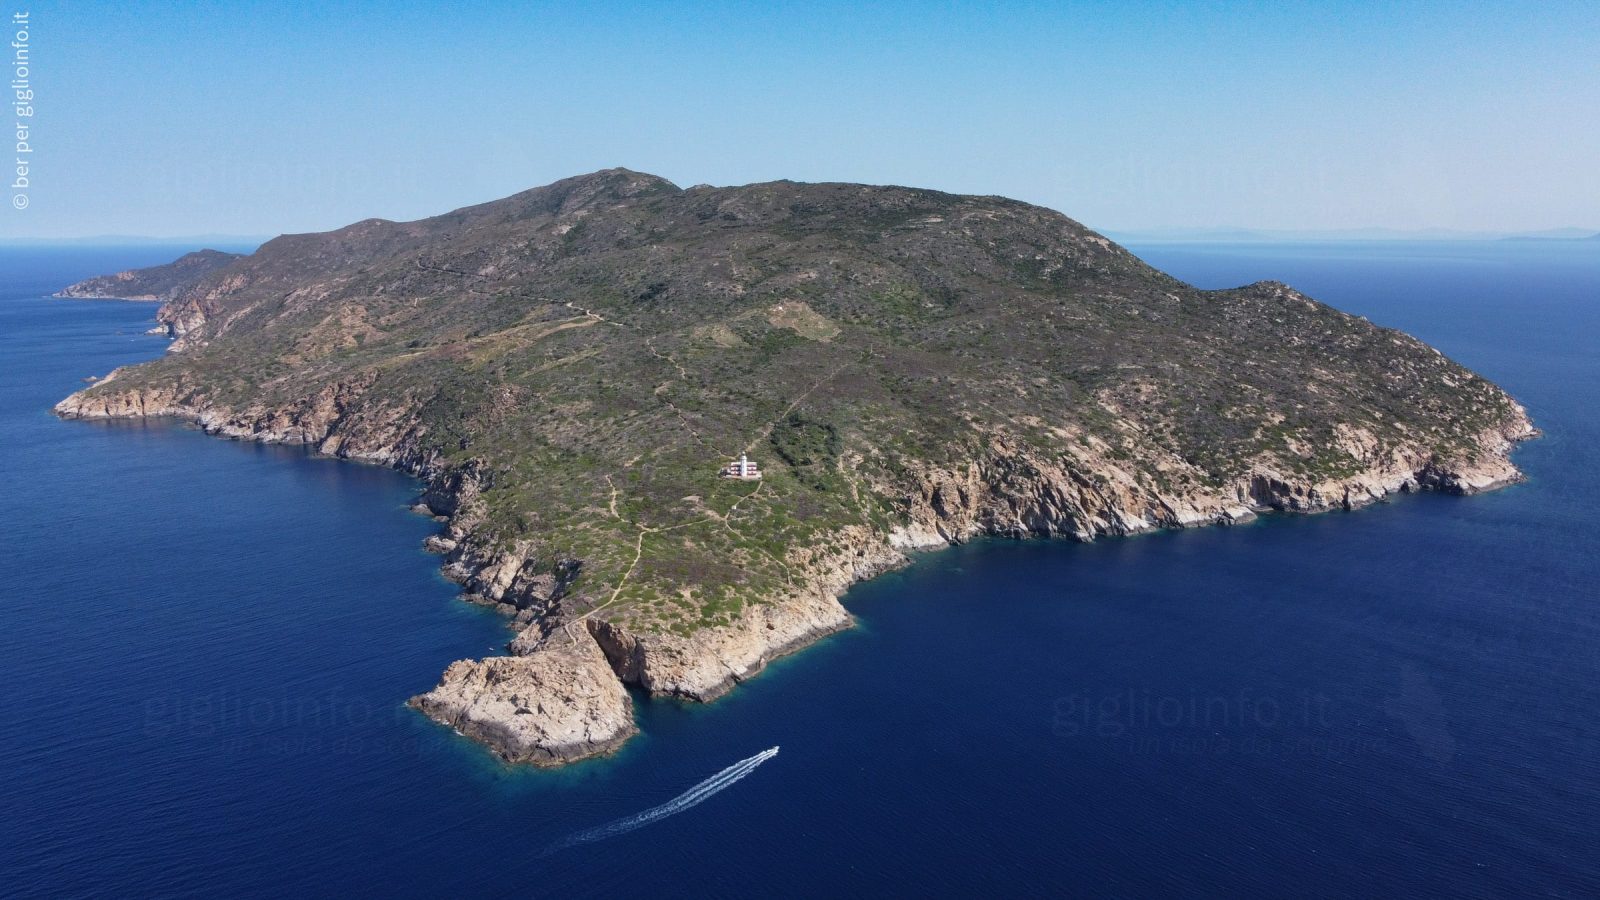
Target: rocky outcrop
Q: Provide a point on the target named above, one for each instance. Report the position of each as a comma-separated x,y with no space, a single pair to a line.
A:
548,708
1017,493
330,420
133,404
708,662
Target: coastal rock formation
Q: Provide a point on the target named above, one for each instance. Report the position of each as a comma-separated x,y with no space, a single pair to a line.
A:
548,708
1015,493
157,283
568,370
709,662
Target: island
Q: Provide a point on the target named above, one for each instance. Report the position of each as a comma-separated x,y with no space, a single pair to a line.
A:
666,428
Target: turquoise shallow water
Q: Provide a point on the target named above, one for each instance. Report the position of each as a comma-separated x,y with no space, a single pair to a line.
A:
205,646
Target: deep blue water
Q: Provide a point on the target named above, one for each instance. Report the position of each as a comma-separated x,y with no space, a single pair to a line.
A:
205,647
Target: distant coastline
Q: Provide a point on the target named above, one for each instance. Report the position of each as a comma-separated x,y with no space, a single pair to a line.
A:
237,243
1352,235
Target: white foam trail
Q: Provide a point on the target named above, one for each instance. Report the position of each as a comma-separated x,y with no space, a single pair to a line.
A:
692,797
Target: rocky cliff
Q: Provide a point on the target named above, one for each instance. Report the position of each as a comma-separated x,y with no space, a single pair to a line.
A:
567,369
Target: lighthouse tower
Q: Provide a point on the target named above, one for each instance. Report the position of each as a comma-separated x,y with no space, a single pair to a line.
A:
742,469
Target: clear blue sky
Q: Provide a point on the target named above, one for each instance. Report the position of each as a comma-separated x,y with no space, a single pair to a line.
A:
179,119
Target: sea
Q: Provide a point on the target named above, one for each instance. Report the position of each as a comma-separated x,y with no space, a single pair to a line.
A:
206,647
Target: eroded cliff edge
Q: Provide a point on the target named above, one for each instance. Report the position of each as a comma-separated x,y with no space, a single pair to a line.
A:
565,370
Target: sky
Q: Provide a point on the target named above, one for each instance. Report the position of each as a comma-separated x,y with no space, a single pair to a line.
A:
257,119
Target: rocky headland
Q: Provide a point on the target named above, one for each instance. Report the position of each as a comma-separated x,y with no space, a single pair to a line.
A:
155,284
567,369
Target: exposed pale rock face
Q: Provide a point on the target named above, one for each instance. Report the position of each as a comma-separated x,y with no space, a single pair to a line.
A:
1021,494
708,663
552,706
329,420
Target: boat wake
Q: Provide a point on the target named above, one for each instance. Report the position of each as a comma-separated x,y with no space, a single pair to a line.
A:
692,797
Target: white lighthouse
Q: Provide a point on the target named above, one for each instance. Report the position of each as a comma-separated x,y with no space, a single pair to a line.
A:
742,469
